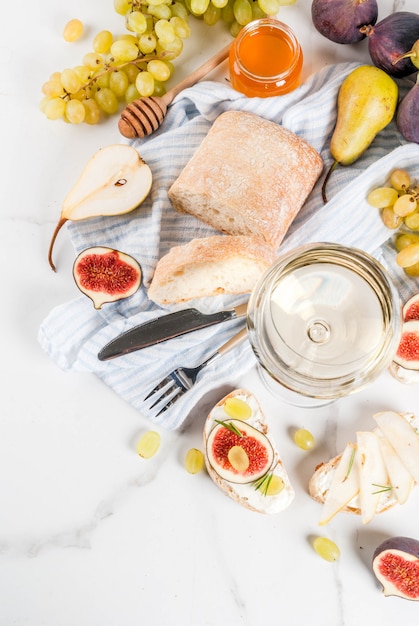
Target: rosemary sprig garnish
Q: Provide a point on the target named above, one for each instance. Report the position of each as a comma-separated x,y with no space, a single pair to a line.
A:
351,463
382,488
231,427
262,484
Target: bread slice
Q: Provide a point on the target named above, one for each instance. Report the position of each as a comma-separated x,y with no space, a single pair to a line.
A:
249,176
385,495
219,264
249,494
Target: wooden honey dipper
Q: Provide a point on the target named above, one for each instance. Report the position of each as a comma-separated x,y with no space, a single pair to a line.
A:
143,116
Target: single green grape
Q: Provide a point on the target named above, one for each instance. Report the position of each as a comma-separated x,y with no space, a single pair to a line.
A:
118,83
237,408
159,70
412,221
107,100
194,461
136,21
124,50
326,548
164,31
75,111
92,111
148,444
73,30
400,179
405,205
102,42
304,439
381,197
242,10
70,81
145,84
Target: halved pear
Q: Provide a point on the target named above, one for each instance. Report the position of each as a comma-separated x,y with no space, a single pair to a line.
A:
400,478
114,181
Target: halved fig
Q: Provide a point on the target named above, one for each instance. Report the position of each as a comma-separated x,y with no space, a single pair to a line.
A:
395,564
114,181
411,309
407,354
106,275
236,434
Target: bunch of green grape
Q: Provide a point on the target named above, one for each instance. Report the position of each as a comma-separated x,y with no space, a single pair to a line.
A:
120,69
398,201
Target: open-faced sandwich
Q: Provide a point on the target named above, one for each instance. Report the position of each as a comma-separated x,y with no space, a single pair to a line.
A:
241,456
373,474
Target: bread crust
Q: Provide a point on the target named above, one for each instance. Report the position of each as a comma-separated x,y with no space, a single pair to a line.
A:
249,176
282,500
210,266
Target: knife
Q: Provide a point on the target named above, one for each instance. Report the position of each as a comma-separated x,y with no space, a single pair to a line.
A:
164,328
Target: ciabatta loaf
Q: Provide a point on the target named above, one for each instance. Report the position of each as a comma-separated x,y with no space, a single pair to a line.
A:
237,425
249,176
373,474
219,264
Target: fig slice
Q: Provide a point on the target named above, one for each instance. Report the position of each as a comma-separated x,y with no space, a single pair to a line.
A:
395,564
233,433
114,181
407,354
411,309
106,275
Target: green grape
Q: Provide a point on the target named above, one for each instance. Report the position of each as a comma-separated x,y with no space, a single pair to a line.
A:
227,14
381,197
54,109
136,21
53,88
237,408
171,50
326,548
145,84
148,444
157,2
131,70
219,4
159,88
194,461
235,28
83,72
92,60
164,31
269,7
107,100
70,81
405,205
180,26
92,111
390,219
102,42
124,50
75,111
242,12
404,240
400,179
257,12
131,93
179,10
102,80
118,82
412,221
121,6
198,7
161,12
147,43
159,70
212,15
408,256
304,439
73,30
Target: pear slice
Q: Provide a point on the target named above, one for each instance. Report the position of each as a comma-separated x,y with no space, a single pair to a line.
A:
344,486
400,478
114,181
373,475
403,438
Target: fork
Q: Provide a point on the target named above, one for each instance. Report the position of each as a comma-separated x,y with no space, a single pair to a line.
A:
181,379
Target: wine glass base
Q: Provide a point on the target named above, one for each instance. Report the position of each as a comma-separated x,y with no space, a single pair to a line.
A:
288,395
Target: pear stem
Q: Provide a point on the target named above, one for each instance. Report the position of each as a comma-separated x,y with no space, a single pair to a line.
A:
326,180
53,238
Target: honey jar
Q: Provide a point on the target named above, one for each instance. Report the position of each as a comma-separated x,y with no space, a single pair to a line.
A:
265,59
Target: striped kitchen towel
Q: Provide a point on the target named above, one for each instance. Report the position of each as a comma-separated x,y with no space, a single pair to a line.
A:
74,332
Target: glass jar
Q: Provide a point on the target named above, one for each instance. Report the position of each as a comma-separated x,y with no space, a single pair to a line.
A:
265,59
324,321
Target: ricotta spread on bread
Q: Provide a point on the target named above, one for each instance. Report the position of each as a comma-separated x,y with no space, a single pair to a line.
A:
246,493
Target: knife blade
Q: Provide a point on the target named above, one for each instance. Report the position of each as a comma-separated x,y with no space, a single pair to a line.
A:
164,328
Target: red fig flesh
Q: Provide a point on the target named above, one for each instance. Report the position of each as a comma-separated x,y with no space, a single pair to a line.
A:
341,20
237,434
407,354
407,118
390,38
106,275
411,309
395,564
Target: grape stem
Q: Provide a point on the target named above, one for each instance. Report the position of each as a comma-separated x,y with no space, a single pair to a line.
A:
326,180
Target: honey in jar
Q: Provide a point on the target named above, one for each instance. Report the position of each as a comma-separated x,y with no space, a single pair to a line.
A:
265,59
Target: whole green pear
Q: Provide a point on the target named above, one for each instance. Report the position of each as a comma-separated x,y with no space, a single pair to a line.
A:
366,104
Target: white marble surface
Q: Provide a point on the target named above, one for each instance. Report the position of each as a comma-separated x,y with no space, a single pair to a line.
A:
90,534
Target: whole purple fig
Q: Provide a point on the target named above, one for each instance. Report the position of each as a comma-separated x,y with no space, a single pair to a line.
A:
407,118
390,39
341,20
